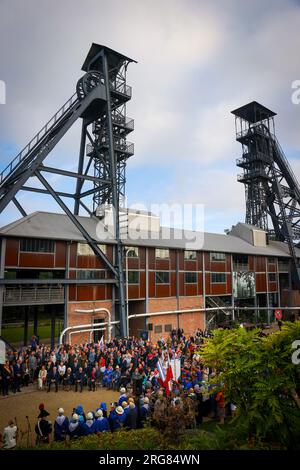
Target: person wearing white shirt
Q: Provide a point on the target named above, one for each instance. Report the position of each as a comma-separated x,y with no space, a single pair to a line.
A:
10,436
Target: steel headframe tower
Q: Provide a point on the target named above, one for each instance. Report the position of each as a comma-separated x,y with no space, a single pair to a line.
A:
271,188
100,101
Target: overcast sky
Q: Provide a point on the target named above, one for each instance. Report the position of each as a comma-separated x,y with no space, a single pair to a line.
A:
197,61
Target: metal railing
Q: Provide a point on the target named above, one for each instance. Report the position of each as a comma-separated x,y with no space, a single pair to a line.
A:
38,137
127,147
251,175
248,158
33,295
127,123
121,87
256,129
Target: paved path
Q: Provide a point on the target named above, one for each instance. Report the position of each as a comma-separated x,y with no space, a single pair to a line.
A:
26,403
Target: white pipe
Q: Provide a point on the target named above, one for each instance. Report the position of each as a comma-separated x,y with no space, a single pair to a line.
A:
90,330
87,325
167,312
95,310
211,309
102,309
170,312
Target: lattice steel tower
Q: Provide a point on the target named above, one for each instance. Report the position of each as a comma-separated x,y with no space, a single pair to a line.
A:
271,188
100,101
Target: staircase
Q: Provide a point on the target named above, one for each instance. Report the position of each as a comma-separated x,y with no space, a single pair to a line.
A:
214,301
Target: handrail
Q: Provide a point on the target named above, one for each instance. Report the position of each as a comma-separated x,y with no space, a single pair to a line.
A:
38,137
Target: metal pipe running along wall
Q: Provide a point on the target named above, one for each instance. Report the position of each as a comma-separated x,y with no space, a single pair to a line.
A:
169,312
90,330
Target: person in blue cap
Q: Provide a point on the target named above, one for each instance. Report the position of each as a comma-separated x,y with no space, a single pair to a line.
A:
103,407
89,426
79,411
101,423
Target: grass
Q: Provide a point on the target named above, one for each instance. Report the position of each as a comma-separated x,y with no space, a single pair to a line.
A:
16,334
209,436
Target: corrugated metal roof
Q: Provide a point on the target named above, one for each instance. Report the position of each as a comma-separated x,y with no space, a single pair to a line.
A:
59,227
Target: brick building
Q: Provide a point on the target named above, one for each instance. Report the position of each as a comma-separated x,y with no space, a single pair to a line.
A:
47,269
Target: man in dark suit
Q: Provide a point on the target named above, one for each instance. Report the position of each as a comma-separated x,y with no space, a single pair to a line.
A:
17,376
53,378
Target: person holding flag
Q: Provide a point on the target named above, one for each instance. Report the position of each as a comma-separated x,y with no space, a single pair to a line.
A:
165,371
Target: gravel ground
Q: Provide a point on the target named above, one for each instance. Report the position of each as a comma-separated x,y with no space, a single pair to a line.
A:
26,403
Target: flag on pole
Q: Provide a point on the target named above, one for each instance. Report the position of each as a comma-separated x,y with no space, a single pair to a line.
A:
165,375
101,343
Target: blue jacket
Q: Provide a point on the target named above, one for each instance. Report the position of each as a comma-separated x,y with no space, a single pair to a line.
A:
102,424
74,429
115,421
61,425
144,413
88,427
121,399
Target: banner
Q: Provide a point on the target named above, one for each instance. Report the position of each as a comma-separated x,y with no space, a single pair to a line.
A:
176,368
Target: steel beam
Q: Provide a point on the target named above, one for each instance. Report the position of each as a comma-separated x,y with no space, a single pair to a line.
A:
71,174
19,207
39,153
10,282
45,191
93,244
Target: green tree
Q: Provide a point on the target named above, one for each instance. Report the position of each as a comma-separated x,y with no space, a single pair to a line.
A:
259,377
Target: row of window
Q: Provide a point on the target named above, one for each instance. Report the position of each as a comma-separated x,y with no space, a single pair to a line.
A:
37,245
240,262
90,274
159,328
133,277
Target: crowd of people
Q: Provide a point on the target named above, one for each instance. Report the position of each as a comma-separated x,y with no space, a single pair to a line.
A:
128,365
112,365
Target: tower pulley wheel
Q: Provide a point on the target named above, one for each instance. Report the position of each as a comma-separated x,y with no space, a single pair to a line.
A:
88,82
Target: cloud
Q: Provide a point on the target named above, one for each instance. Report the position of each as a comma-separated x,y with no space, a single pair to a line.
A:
196,62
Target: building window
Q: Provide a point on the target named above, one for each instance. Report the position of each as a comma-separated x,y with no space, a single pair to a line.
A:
162,277
272,277
218,278
10,274
283,265
90,274
168,328
150,326
217,256
271,260
162,253
37,245
190,255
84,249
133,277
240,262
158,329
190,278
243,284
132,251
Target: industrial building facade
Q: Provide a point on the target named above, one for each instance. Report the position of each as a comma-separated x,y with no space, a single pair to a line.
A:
49,270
